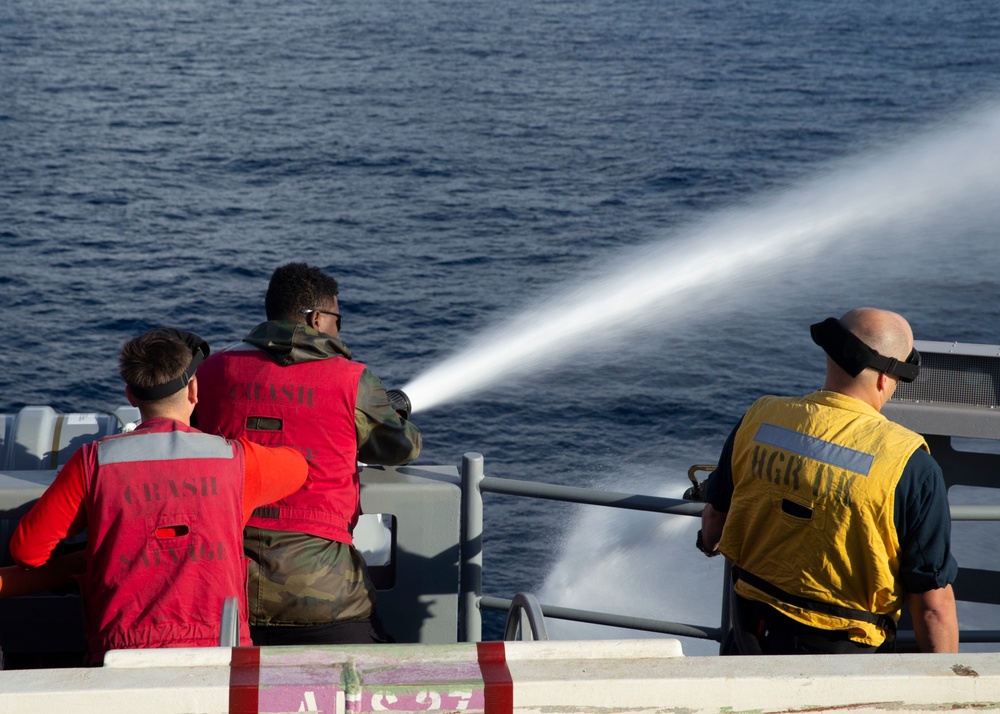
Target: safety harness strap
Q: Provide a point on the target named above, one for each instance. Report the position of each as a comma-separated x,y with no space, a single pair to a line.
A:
883,621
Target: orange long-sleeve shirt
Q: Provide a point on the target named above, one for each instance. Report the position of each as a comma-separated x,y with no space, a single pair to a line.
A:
270,473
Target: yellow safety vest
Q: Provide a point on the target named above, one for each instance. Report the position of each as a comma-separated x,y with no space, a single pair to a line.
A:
812,508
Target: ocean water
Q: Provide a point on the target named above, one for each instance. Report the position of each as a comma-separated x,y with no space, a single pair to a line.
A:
630,212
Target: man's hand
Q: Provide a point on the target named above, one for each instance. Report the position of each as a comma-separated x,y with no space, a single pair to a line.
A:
712,522
700,545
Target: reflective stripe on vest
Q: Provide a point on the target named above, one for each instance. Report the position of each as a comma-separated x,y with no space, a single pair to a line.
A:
162,446
813,448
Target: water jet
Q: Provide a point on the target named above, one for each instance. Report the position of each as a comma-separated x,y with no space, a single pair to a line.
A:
898,199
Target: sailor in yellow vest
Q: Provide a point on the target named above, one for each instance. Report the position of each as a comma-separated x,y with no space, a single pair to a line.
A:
832,516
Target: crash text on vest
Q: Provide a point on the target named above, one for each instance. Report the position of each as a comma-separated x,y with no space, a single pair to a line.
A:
151,491
281,393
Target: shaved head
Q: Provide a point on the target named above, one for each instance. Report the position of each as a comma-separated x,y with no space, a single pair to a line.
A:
886,332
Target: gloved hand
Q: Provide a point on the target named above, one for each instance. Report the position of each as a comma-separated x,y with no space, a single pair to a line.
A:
700,545
400,402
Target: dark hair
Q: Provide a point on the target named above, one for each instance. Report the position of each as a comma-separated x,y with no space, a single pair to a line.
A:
153,358
296,287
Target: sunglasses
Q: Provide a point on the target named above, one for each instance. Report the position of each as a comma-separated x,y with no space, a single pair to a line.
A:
340,318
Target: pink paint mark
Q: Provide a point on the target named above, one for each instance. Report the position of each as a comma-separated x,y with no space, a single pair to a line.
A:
410,678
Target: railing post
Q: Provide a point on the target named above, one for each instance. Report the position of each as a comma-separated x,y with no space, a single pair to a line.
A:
726,621
229,634
471,621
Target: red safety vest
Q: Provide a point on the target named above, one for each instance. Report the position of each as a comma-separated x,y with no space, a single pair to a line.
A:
308,406
165,543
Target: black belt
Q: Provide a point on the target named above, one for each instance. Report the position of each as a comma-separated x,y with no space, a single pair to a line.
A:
849,613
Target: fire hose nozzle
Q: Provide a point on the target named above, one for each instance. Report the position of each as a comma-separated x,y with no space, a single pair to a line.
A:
697,490
400,402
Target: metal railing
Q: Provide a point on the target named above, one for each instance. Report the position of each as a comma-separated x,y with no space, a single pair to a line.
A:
475,483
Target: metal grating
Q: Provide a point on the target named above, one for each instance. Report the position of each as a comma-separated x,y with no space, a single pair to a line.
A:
968,380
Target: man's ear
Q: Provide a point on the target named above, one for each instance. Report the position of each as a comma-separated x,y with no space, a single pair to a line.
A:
130,396
192,391
885,384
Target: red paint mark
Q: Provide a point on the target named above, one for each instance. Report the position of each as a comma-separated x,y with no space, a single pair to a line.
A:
244,680
498,687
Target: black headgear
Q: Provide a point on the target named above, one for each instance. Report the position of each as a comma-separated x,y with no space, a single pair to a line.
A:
199,351
852,355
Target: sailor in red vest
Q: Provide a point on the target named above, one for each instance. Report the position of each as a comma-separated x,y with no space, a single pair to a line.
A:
164,506
292,382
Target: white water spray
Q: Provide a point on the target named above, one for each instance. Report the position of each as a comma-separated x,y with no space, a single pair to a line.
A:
642,564
939,173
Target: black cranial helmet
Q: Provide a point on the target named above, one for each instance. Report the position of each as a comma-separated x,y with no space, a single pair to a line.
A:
199,351
852,355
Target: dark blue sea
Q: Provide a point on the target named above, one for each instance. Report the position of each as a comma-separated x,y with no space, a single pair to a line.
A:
456,165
